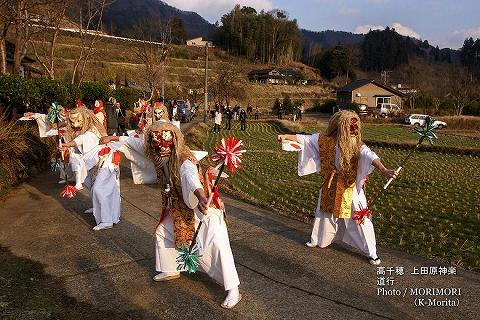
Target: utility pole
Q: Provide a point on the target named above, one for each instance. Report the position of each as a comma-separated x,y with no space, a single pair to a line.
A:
206,81
163,81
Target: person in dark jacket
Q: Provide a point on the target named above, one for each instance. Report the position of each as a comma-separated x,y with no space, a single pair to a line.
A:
228,116
112,124
243,120
121,119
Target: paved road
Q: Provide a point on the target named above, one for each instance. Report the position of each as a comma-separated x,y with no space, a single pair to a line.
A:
280,277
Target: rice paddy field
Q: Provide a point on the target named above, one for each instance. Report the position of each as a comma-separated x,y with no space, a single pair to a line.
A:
431,210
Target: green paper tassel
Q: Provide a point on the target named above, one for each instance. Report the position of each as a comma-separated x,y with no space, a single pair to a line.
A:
54,165
188,259
55,113
427,131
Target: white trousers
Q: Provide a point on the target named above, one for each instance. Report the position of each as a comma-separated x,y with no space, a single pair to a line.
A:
105,194
77,165
217,258
327,229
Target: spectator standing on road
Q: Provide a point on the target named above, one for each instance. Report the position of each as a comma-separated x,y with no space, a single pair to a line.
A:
243,120
235,112
218,120
228,116
121,119
111,117
256,113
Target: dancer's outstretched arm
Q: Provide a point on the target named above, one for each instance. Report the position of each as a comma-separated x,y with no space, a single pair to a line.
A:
291,137
107,139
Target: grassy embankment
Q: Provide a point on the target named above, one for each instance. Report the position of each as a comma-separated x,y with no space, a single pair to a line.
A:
22,154
184,68
432,210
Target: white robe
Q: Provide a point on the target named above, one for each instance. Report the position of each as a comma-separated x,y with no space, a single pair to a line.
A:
326,228
44,130
143,170
217,258
43,124
105,191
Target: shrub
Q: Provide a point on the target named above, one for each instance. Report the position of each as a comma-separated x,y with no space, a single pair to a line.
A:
18,93
127,97
52,90
92,91
317,106
328,106
352,106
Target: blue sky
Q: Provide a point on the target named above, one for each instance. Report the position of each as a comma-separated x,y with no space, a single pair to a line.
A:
445,23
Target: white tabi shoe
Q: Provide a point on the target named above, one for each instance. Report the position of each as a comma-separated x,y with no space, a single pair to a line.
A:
88,211
310,245
232,299
63,181
102,226
375,261
166,276
79,186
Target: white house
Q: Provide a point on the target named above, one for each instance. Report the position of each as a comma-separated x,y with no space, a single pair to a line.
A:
199,42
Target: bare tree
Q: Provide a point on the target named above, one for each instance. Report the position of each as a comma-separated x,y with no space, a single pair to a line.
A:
19,15
226,85
89,16
48,30
6,20
152,51
462,90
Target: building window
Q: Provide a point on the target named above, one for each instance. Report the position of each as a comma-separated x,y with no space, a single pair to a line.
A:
383,100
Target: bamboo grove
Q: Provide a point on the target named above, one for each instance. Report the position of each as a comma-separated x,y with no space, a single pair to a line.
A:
265,37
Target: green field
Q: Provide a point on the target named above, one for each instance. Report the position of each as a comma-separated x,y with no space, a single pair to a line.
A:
432,210
404,134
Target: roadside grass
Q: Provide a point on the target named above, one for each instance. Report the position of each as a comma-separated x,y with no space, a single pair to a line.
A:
27,292
22,154
432,210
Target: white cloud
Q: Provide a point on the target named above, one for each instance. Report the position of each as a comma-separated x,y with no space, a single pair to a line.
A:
212,10
348,12
455,38
403,30
367,27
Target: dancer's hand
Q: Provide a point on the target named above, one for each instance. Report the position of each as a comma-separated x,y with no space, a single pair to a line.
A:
389,173
202,200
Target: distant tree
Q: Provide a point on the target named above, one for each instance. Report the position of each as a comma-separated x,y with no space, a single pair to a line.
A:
264,37
179,33
88,15
152,51
463,90
470,54
48,30
226,85
287,104
384,50
248,10
335,62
